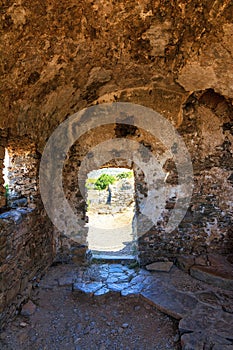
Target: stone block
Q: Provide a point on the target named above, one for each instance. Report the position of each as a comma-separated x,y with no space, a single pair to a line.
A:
162,266
185,262
220,277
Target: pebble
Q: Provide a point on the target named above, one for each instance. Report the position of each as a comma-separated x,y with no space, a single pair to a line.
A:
120,330
28,309
3,336
23,324
86,330
176,338
137,308
125,325
76,340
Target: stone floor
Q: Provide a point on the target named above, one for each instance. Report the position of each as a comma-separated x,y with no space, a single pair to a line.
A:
205,312
57,318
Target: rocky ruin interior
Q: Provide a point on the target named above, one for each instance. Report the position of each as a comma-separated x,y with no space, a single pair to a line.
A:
59,57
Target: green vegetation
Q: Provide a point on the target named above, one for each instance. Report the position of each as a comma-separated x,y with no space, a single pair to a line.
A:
103,181
6,191
90,183
125,175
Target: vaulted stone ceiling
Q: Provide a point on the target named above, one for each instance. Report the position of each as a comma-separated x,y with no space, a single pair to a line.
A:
58,57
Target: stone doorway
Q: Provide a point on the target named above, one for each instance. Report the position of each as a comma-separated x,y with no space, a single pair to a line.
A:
110,194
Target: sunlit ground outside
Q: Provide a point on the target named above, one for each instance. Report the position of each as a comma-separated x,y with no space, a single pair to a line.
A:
111,212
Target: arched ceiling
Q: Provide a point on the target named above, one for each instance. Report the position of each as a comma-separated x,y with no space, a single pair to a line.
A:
58,57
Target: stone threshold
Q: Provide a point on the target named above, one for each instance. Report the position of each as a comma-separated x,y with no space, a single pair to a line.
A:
113,258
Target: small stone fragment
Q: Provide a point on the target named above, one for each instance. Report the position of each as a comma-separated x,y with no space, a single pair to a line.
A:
28,309
176,338
86,330
125,325
23,324
120,330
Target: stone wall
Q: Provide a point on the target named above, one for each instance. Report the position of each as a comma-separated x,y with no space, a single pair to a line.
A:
27,249
28,244
2,156
22,173
205,125
207,225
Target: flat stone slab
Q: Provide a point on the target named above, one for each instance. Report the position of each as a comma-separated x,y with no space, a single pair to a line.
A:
204,340
131,290
162,266
209,298
15,214
200,319
207,325
170,301
65,281
218,276
117,287
88,288
102,291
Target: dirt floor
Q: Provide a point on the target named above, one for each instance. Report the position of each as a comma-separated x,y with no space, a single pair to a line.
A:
64,320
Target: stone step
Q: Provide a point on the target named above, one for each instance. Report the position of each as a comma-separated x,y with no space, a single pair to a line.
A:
220,276
168,300
113,259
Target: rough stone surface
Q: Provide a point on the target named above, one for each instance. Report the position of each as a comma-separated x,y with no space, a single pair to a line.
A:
217,326
28,309
221,278
163,266
204,322
212,268
24,256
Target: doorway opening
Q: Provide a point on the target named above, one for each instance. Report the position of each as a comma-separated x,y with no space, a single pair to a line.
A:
6,168
110,194
5,175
